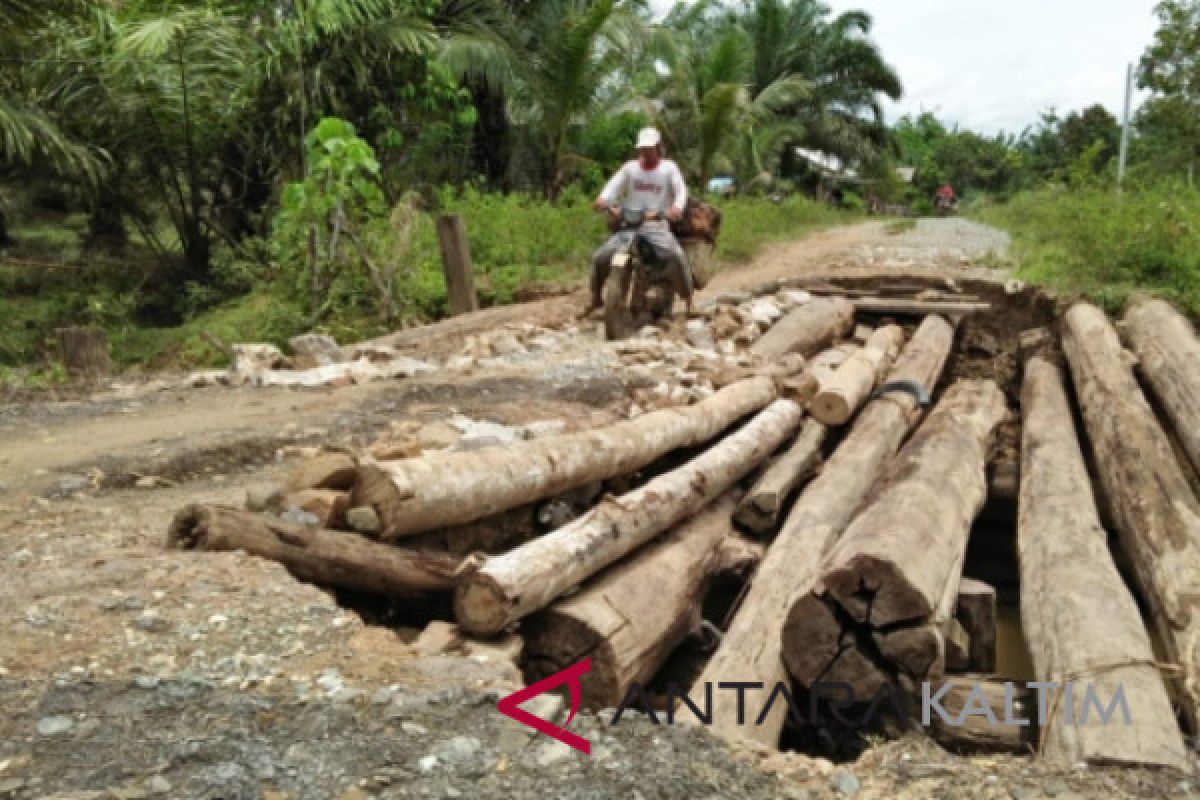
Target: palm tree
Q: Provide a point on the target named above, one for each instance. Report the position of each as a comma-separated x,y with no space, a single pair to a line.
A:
550,62
713,115
29,134
845,70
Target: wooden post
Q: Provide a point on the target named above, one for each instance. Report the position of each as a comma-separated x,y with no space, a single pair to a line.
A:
84,352
456,264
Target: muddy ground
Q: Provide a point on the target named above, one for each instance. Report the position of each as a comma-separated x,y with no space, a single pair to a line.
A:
127,671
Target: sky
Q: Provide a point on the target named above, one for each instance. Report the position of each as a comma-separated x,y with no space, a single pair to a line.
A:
991,65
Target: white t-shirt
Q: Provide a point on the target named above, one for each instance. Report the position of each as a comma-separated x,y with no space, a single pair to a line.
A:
658,189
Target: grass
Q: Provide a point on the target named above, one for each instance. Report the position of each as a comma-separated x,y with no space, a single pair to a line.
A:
899,226
516,241
1106,245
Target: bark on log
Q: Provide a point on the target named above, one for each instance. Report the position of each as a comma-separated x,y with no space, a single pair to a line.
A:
976,612
1169,358
509,587
760,508
1155,512
443,489
1080,621
807,329
633,615
977,733
893,563
750,649
329,558
853,381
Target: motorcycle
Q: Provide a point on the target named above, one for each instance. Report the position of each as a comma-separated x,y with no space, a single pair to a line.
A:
946,207
639,289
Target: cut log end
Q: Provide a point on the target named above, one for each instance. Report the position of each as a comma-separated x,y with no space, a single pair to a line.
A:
875,589
830,409
190,528
481,606
555,641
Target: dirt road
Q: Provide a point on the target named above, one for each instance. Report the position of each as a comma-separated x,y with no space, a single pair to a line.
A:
127,671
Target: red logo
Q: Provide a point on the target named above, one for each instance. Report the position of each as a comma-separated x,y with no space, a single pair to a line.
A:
510,706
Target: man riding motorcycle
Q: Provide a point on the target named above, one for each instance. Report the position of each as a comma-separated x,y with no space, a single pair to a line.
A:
945,199
650,183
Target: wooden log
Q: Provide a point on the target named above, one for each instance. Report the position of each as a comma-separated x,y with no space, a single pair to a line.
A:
807,329
901,558
923,650
444,489
894,562
1080,621
84,351
853,381
329,558
1169,359
1154,510
760,509
509,587
917,308
456,264
1008,703
976,612
634,614
324,471
750,649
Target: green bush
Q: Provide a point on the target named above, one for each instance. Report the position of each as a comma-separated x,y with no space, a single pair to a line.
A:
1095,240
750,222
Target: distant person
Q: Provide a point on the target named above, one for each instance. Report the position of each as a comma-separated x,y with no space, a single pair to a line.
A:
651,183
945,199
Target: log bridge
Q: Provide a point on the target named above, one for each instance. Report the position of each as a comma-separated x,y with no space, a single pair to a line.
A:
846,512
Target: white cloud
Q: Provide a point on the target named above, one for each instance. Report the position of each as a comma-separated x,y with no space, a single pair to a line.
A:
990,65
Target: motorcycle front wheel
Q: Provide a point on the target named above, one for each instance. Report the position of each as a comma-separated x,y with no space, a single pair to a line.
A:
617,319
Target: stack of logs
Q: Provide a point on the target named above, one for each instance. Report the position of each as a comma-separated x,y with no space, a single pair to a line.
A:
856,576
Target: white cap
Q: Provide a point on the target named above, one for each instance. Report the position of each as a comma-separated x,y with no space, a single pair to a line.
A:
648,137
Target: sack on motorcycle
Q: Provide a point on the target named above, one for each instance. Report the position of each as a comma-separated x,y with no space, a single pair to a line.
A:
697,231
699,221
701,259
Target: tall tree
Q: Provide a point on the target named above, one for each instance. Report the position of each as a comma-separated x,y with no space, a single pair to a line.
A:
1170,69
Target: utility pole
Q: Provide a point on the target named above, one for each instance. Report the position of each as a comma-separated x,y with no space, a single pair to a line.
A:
1124,157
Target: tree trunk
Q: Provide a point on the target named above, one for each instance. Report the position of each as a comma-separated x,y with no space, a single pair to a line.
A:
848,388
894,563
760,508
444,489
901,559
750,649
634,614
1080,621
807,329
1153,508
1169,359
509,587
329,558
84,352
